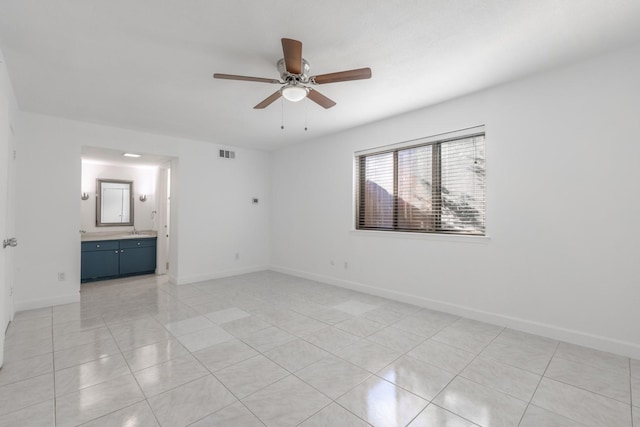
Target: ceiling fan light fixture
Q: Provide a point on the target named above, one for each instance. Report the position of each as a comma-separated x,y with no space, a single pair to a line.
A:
294,93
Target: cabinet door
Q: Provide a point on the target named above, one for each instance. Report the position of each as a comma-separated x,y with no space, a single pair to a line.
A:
99,264
138,260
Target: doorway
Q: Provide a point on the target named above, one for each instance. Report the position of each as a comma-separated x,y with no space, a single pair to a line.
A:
151,178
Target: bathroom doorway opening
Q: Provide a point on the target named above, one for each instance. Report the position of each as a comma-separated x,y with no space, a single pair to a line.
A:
151,175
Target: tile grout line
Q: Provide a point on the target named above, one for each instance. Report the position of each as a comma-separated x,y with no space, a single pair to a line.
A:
539,382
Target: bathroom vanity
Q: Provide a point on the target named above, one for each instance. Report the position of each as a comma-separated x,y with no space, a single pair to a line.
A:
119,255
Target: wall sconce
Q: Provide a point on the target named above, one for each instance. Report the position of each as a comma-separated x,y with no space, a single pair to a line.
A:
84,196
143,197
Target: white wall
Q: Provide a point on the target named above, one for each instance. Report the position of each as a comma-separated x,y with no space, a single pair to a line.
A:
144,182
213,218
562,212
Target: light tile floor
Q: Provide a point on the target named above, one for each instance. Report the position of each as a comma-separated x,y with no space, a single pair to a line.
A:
276,350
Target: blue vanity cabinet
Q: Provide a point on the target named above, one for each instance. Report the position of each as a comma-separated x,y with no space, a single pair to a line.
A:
137,256
108,259
100,260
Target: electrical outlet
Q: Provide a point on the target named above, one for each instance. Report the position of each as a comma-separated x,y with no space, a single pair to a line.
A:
61,277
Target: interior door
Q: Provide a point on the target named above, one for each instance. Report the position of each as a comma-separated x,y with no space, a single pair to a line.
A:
7,203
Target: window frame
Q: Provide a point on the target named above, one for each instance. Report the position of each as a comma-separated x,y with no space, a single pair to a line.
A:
435,141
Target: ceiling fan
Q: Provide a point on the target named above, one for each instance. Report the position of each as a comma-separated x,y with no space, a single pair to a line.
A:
294,75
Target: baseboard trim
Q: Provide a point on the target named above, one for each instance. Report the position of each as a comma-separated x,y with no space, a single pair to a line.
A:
45,302
217,275
597,342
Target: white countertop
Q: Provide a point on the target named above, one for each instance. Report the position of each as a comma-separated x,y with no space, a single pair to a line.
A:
117,235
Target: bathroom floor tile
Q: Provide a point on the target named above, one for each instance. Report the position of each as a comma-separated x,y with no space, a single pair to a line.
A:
607,382
331,339
39,415
245,326
329,315
286,403
383,315
220,356
80,325
295,355
443,356
154,354
381,403
354,308
468,335
418,377
396,339
96,401
226,315
250,376
434,416
333,376
335,416
84,353
581,405
507,379
188,326
359,326
368,355
591,357
138,414
528,358
25,393
480,404
536,417
303,327
74,339
190,402
235,414
15,350
167,375
18,370
266,339
425,323
204,338
91,373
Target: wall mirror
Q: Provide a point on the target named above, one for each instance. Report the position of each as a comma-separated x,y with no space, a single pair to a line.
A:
114,202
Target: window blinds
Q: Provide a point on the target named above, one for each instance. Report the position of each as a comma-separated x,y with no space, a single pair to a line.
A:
436,187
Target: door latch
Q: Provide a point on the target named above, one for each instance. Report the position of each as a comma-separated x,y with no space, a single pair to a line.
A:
13,242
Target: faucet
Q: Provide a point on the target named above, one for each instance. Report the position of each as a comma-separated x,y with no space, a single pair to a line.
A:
134,231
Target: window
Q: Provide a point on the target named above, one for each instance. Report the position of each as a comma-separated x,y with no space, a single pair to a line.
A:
433,185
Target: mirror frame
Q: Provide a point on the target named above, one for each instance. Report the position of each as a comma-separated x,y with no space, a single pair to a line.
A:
99,222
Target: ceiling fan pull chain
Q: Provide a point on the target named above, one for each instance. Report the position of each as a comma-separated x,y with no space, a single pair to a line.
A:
305,114
282,115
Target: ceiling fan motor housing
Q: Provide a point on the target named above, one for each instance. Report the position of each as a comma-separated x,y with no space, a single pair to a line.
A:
294,78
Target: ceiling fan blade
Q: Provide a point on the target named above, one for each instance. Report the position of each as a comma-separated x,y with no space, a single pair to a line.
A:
292,50
268,101
244,78
320,99
343,76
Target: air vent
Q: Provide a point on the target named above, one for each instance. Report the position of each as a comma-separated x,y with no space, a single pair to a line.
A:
226,154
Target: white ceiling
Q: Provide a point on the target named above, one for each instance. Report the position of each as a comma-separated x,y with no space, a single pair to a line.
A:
148,64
